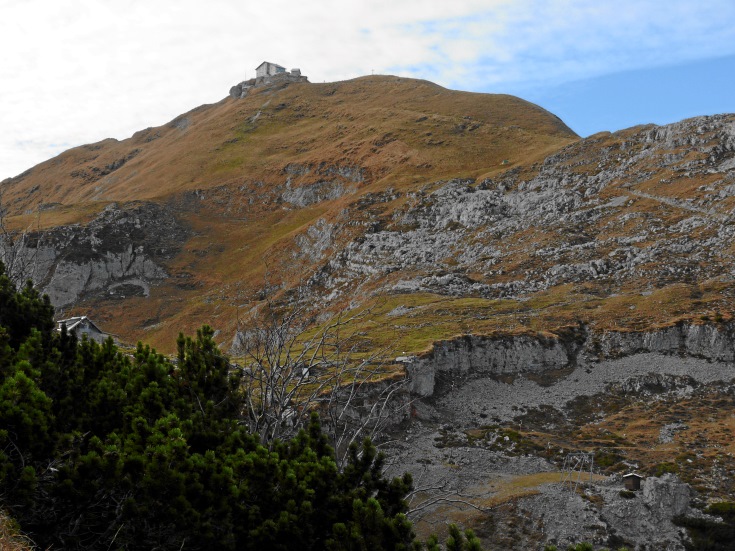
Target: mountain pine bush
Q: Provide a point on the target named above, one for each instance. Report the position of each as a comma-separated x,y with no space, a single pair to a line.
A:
105,450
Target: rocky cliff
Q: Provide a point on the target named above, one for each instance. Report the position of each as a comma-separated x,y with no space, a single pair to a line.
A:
465,213
477,356
276,183
601,516
121,253
645,207
568,294
492,420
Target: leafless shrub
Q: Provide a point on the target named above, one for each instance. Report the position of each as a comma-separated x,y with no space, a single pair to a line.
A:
292,369
16,254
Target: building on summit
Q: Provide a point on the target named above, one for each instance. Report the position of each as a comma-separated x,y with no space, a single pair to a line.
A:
267,73
268,69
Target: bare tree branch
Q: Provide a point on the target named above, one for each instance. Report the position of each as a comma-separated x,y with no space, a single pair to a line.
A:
17,255
293,368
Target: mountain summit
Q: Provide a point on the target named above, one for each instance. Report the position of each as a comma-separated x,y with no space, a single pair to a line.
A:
177,215
551,298
449,212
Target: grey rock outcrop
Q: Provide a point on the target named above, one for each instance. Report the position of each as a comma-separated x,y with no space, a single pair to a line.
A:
316,241
643,521
666,496
573,218
69,279
484,356
120,253
716,343
335,181
236,92
515,354
311,194
241,90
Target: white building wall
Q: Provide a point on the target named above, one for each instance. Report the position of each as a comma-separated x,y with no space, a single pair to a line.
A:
268,69
91,332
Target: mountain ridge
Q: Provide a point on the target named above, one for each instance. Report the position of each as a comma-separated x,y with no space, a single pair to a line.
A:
278,146
108,164
547,294
480,213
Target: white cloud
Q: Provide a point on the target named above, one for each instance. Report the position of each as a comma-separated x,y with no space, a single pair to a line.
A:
75,72
555,41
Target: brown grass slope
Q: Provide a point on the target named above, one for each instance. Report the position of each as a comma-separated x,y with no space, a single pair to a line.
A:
396,129
663,194
625,230
224,167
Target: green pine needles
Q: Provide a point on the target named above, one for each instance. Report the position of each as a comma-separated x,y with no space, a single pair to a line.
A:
105,450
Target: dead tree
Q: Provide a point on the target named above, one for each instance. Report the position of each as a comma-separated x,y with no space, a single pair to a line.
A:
16,254
292,369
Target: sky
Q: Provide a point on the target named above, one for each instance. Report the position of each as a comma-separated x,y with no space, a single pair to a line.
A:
76,72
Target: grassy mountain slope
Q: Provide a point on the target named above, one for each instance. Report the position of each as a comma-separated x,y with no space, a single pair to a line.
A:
395,130
234,173
447,212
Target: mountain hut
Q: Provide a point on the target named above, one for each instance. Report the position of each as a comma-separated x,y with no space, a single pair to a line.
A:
82,325
268,69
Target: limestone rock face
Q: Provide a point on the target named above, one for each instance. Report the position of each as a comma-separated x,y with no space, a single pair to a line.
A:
647,518
315,193
715,343
240,90
120,253
644,519
666,496
605,209
236,91
474,356
485,356
71,279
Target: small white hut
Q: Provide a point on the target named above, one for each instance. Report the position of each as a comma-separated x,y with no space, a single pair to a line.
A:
268,69
82,325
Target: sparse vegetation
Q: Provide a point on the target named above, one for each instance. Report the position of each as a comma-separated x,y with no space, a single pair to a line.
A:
663,468
708,534
10,537
357,192
291,371
102,449
607,460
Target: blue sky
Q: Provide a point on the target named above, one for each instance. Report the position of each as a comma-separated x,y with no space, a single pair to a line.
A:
658,95
78,71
